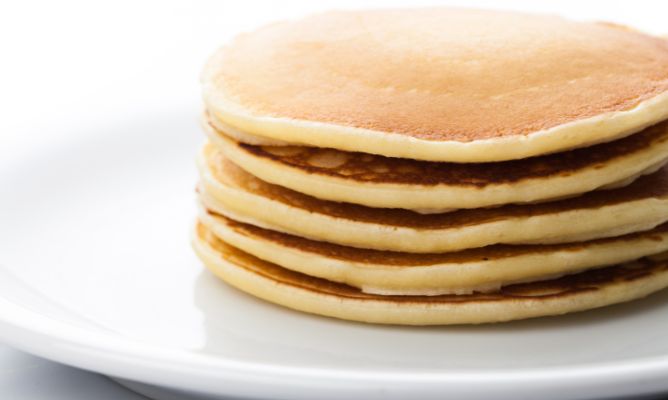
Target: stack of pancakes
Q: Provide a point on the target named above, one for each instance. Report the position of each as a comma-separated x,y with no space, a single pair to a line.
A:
437,166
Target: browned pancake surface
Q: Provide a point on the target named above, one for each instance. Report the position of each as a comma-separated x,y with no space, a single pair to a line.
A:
392,258
378,169
441,74
571,284
650,186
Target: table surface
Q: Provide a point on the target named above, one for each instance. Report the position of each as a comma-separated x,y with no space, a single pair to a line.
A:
181,35
24,377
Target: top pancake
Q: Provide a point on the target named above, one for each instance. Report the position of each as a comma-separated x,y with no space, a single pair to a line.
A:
440,84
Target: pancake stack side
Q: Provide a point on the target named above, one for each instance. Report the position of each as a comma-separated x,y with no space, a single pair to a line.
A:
436,166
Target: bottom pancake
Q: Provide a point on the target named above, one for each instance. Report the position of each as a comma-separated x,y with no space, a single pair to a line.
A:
579,292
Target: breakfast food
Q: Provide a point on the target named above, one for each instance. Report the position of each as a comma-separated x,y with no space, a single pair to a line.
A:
484,269
437,166
378,181
439,84
228,190
586,290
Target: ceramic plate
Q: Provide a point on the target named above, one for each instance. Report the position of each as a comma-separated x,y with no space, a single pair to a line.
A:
96,271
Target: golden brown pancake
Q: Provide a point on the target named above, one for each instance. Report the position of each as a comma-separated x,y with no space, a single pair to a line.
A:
378,181
440,84
228,190
476,270
583,291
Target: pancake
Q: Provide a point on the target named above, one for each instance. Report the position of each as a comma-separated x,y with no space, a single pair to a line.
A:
228,190
583,291
378,181
477,270
439,84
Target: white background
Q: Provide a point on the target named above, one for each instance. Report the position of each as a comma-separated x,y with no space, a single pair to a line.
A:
73,58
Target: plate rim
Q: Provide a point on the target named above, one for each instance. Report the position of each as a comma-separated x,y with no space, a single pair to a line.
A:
114,355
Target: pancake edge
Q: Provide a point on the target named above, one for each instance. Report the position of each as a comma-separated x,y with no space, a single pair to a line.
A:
440,278
579,133
414,313
445,197
612,220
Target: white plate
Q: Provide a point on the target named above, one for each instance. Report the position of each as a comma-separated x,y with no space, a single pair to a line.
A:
97,272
